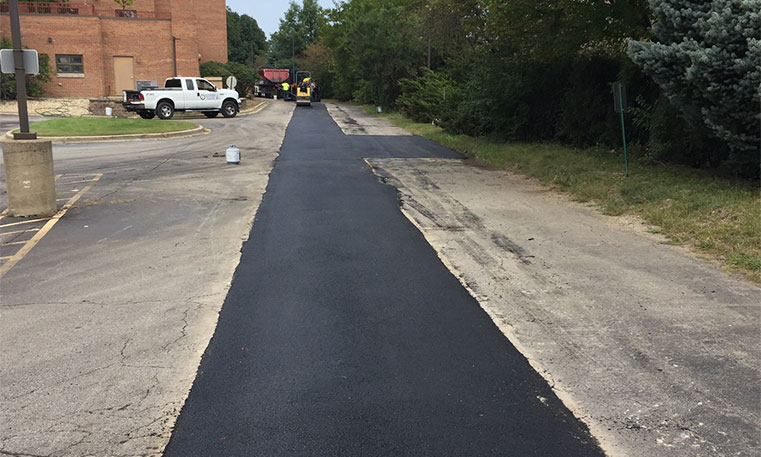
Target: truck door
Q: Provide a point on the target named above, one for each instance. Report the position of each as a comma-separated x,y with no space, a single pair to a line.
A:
189,94
207,96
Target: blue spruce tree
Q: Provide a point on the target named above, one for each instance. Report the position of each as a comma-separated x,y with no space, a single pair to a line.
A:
706,57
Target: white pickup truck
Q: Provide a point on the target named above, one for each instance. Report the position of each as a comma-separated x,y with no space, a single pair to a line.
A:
182,94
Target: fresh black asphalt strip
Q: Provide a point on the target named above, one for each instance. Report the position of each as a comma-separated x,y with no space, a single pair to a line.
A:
343,334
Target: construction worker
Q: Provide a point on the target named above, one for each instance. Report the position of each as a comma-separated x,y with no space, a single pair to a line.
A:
286,91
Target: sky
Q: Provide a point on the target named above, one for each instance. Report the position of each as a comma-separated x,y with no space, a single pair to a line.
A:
267,12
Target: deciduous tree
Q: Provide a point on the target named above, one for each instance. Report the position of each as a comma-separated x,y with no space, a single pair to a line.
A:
300,27
245,39
124,3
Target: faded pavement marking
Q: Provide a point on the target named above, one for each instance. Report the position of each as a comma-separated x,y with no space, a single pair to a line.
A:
12,234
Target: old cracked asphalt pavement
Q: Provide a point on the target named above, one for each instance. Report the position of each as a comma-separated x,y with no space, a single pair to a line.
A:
343,334
373,308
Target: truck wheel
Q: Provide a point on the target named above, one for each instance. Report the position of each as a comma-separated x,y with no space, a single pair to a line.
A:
229,108
146,114
211,114
165,110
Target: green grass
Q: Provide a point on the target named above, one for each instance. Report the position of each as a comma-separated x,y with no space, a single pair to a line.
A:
94,126
715,216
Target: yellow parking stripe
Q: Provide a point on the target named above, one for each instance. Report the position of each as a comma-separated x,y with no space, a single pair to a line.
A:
19,231
14,259
31,221
75,181
14,243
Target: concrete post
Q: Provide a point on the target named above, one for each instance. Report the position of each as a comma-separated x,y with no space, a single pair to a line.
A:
30,179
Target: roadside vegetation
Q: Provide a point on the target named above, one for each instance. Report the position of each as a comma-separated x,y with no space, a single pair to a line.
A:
717,216
33,83
527,85
84,126
531,71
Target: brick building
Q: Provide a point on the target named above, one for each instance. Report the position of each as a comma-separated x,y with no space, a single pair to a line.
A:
97,49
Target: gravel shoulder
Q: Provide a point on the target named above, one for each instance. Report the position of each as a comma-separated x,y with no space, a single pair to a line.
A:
353,120
656,351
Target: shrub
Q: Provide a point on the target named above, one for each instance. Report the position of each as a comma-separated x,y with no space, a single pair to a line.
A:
670,138
247,76
587,116
33,82
423,97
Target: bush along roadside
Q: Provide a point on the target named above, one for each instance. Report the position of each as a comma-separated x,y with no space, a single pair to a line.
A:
718,217
33,83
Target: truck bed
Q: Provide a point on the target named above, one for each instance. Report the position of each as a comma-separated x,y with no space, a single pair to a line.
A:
133,96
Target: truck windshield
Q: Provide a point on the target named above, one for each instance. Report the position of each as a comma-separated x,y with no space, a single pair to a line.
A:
173,83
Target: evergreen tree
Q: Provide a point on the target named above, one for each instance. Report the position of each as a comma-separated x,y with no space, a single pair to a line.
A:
706,56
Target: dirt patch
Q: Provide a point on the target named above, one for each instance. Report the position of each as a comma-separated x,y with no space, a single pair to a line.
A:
50,107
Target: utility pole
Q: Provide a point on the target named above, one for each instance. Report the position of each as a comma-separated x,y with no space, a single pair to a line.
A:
293,53
18,60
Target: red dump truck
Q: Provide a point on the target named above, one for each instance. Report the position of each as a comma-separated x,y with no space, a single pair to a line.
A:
271,82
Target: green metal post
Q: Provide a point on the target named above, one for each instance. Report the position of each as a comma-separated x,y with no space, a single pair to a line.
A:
623,128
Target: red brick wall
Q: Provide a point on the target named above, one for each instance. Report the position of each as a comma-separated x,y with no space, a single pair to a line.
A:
147,41
200,25
109,7
70,35
212,21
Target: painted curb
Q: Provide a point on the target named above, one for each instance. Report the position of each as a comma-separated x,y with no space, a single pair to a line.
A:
200,130
259,108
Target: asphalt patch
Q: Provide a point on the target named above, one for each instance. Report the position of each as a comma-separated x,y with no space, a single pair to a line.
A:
343,334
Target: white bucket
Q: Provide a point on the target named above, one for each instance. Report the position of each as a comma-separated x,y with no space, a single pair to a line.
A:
109,111
233,155
380,109
274,97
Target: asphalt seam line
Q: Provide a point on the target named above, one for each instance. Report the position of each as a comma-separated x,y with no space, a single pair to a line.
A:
16,258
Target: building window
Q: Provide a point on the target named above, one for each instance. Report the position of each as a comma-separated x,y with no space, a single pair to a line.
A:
69,63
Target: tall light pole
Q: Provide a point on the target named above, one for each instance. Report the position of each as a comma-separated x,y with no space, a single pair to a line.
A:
18,60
